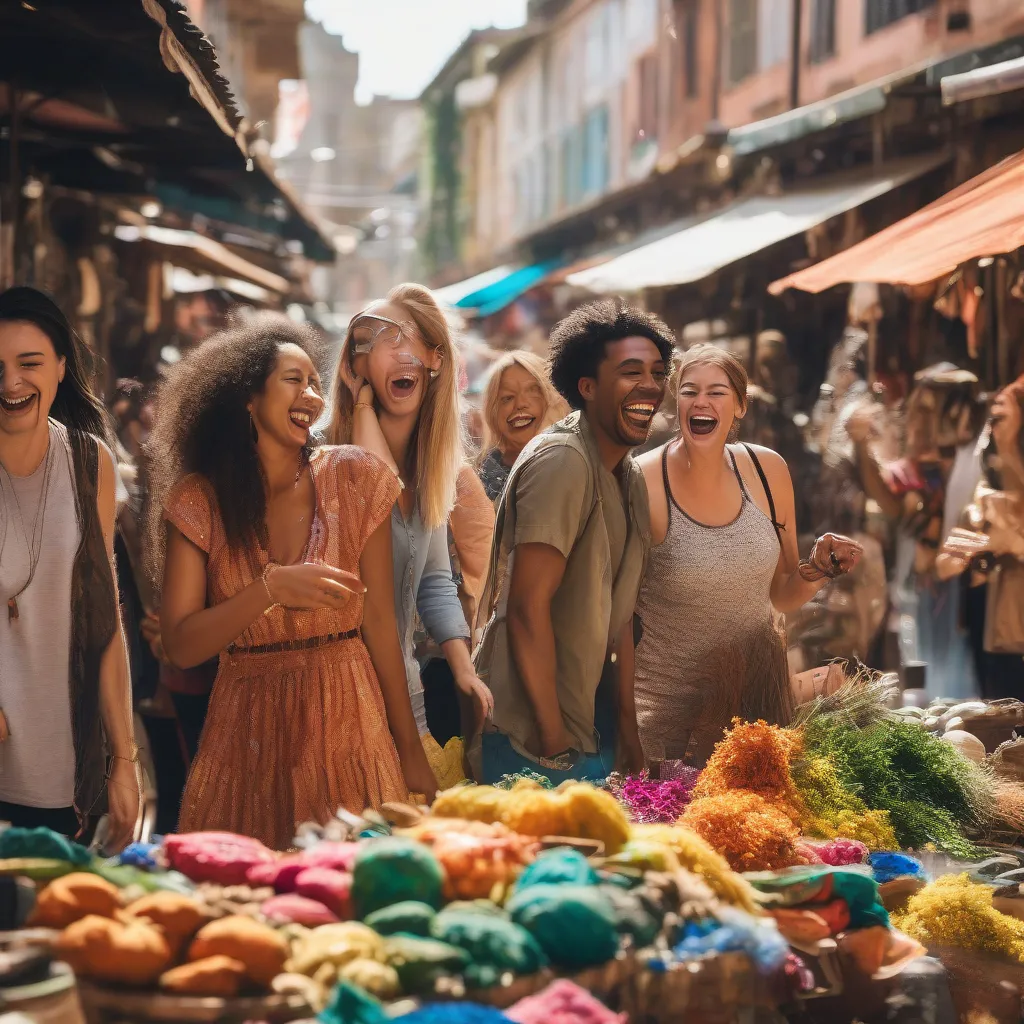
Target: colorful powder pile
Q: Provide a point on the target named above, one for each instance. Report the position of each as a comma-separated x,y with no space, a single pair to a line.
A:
751,833
653,801
955,911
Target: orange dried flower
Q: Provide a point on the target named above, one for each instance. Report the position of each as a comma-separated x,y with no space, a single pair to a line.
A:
757,758
751,833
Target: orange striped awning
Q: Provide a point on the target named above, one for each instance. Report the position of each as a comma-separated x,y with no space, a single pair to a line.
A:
982,217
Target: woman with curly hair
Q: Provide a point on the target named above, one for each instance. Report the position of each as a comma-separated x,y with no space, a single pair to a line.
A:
519,402
396,394
278,558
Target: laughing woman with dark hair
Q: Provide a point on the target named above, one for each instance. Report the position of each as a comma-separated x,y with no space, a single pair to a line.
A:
278,559
66,735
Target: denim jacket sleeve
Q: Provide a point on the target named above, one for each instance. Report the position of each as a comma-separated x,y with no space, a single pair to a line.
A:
437,599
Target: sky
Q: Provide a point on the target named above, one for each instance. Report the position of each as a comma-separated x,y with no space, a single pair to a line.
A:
402,44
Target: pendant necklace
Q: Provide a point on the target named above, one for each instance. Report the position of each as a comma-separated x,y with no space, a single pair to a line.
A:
35,543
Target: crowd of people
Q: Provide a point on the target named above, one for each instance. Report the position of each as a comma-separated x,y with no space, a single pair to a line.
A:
307,585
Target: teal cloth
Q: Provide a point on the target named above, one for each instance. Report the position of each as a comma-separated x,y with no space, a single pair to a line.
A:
409,916
42,843
351,1005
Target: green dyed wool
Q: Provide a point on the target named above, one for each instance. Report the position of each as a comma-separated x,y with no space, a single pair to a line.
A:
43,844
495,946
558,867
409,916
420,962
574,924
389,871
351,1005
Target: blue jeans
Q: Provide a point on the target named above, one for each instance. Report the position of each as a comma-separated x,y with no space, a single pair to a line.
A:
501,758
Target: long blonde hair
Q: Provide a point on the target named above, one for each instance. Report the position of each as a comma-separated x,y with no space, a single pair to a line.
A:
437,442
555,405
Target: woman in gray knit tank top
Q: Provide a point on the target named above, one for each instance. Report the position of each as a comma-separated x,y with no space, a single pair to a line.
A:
723,566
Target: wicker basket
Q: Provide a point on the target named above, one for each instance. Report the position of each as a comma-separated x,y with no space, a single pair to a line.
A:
52,1001
714,990
607,982
108,1005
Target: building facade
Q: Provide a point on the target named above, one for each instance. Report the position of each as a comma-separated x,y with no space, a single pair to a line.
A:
355,166
843,44
584,103
577,112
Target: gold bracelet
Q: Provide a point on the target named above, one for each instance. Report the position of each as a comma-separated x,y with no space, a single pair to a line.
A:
270,567
363,405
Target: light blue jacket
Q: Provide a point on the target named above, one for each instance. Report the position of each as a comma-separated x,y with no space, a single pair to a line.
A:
424,584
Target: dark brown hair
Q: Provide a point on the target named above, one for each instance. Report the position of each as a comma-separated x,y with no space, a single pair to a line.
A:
203,425
579,342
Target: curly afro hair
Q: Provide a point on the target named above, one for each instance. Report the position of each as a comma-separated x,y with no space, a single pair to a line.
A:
203,425
577,344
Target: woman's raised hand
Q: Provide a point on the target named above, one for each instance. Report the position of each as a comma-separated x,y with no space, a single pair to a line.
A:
835,555
312,585
350,379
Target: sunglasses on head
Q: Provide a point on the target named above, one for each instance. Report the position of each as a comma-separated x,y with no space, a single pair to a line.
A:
369,329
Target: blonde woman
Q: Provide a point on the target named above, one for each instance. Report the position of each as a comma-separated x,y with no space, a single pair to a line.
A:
519,402
396,395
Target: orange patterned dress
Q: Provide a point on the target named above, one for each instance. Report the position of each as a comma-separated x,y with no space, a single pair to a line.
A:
297,725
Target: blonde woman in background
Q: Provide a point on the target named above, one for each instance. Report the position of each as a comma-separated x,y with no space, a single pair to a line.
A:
396,395
519,402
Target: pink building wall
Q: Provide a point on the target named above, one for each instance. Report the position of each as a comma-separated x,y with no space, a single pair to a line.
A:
863,58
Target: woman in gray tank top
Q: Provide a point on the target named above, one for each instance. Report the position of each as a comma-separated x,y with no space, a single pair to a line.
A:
723,565
66,731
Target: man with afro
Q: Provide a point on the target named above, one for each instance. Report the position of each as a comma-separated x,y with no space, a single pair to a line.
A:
571,541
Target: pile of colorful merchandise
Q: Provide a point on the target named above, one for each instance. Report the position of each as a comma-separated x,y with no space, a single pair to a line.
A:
488,908
850,842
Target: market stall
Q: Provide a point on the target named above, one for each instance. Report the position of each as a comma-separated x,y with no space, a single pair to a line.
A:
803,869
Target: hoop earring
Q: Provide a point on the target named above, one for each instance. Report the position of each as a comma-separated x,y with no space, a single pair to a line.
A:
252,430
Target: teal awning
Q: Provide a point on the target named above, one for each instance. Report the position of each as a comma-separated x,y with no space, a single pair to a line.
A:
495,296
